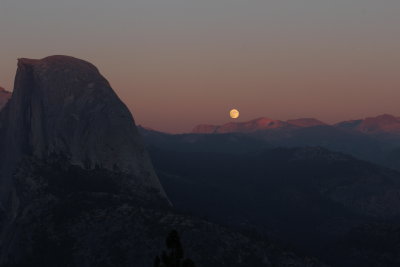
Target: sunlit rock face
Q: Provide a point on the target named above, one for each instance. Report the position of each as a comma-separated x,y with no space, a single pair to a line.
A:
4,97
63,107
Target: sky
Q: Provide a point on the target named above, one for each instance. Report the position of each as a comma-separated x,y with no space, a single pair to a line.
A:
179,63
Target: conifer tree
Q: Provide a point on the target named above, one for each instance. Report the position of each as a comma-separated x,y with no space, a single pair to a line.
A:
174,256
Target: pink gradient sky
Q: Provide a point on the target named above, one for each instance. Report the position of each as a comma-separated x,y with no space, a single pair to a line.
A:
178,63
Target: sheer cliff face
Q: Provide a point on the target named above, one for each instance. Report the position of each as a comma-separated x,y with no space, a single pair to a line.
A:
63,106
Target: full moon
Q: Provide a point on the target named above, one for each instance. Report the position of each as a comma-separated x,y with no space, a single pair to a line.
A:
234,113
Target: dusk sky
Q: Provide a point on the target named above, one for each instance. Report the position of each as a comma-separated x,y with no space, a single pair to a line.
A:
178,63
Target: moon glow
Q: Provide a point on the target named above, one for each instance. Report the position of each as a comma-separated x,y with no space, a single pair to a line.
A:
234,113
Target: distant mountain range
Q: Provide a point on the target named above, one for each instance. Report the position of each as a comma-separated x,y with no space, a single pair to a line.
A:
310,197
301,181
383,124
292,184
259,124
376,125
374,139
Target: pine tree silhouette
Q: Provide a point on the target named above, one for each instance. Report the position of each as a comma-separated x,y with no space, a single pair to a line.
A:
174,256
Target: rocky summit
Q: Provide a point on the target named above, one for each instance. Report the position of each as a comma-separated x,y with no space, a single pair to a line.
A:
64,116
63,106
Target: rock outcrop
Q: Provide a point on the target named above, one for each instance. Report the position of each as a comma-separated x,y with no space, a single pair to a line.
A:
63,106
63,111
4,97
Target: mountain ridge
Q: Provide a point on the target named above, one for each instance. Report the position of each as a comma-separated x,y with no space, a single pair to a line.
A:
384,123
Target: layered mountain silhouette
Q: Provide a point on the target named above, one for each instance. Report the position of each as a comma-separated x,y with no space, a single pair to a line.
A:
77,187
310,197
376,139
324,188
